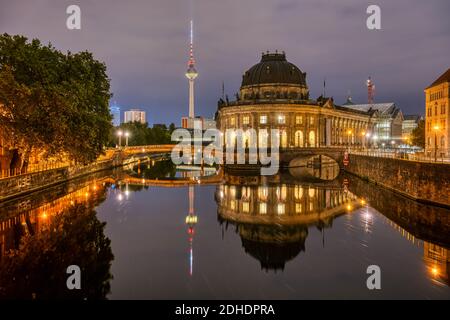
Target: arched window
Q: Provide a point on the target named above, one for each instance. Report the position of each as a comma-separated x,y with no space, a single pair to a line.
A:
299,138
283,141
312,138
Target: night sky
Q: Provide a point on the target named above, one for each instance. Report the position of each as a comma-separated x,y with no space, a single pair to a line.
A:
145,46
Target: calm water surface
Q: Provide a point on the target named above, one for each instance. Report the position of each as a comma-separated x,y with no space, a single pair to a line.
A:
246,238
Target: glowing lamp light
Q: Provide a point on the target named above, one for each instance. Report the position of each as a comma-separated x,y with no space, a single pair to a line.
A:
120,133
44,215
435,271
349,207
436,128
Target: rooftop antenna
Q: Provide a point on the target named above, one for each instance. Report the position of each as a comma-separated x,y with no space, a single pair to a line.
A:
370,90
223,90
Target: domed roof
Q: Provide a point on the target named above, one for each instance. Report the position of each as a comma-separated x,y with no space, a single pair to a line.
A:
274,68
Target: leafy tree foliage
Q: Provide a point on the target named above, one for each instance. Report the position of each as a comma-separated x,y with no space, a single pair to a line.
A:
140,134
418,135
53,101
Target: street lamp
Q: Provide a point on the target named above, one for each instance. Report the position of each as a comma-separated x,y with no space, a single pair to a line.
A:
436,129
127,134
120,134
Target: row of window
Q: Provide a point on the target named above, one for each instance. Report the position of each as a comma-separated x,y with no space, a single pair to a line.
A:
430,110
436,126
263,119
431,142
436,95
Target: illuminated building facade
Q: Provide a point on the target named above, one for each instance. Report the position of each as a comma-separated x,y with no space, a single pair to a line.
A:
437,117
274,95
135,115
410,122
387,120
115,112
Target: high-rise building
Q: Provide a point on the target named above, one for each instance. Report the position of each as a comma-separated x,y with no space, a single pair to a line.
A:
135,115
115,112
437,117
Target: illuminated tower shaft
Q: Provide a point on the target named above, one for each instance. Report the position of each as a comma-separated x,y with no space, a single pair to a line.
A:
191,73
191,99
191,200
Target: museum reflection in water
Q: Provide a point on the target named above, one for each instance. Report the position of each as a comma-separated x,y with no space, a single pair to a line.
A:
43,233
272,218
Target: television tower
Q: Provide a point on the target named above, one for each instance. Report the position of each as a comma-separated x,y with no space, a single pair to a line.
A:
191,73
191,221
370,90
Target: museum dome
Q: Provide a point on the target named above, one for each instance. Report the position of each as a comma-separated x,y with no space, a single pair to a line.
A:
274,69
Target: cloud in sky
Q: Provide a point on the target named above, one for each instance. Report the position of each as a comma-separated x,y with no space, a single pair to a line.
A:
145,46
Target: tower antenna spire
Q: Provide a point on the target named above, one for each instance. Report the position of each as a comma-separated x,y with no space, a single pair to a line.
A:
191,72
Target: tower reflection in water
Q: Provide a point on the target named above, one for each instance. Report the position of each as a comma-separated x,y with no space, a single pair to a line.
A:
273,218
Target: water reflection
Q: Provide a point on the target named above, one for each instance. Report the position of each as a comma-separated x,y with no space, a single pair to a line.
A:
314,168
273,219
39,243
277,220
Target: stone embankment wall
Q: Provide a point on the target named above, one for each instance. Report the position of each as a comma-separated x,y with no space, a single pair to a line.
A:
423,181
31,182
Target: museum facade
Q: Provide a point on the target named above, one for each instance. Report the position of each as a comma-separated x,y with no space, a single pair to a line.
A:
274,95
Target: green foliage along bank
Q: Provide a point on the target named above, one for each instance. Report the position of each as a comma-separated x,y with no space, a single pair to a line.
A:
52,101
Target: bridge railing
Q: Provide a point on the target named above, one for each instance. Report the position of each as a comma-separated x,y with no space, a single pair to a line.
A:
404,154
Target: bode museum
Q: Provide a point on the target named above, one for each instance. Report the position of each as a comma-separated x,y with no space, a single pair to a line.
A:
274,95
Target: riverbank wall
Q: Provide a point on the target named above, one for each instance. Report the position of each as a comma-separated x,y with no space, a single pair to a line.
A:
422,181
31,182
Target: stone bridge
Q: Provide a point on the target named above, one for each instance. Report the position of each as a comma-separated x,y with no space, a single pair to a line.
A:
288,156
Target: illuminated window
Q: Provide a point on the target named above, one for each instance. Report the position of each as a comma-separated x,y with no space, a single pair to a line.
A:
281,208
233,205
298,120
311,120
245,207
298,192
263,208
298,208
263,137
281,119
298,138
245,119
233,192
282,192
312,138
263,119
263,193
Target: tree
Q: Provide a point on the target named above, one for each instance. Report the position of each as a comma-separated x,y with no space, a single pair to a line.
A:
418,135
52,101
140,134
